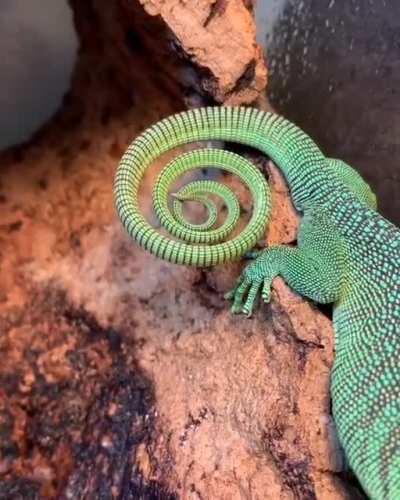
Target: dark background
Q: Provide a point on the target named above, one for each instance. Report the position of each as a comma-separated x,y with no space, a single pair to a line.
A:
335,71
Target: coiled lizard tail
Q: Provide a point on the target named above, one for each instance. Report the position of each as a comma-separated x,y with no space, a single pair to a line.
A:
346,254
203,245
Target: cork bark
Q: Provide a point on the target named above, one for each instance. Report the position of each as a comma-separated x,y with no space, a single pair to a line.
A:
123,376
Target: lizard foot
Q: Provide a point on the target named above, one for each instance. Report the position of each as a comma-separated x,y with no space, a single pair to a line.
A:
256,276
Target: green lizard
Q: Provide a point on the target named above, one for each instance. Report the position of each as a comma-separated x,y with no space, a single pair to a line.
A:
347,254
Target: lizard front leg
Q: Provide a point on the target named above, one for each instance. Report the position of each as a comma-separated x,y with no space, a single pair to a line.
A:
315,269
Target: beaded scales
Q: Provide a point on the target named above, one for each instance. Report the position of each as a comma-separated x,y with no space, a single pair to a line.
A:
347,254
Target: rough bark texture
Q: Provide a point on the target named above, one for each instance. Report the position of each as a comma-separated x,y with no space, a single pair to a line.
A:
123,376
219,37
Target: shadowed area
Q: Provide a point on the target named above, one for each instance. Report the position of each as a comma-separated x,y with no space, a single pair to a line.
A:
335,71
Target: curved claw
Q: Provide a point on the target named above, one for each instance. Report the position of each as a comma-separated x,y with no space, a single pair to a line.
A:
236,309
266,299
247,312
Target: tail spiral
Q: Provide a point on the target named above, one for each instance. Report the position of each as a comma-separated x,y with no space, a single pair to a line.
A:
297,156
200,244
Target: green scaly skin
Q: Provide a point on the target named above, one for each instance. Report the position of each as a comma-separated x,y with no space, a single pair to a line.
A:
347,254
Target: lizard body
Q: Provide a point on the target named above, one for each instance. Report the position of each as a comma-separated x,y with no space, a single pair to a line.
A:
347,254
